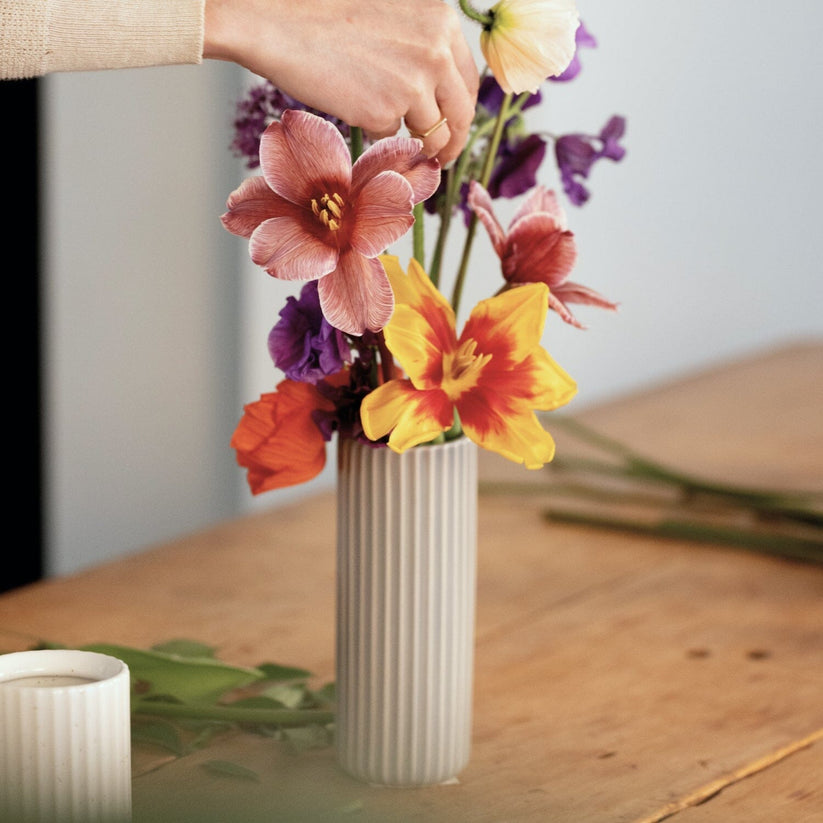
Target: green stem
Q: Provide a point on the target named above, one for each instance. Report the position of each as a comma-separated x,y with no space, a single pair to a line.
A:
418,236
485,19
809,550
455,177
491,154
637,466
235,714
356,138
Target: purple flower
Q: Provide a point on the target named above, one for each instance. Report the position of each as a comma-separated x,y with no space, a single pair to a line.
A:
490,96
581,38
263,104
577,153
515,170
303,344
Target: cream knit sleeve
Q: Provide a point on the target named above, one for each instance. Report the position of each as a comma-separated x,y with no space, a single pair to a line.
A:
42,36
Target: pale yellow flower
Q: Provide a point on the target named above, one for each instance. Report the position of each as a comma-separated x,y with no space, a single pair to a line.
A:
528,41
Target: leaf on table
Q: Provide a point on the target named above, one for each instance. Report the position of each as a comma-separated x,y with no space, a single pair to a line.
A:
188,679
274,671
185,648
229,769
158,733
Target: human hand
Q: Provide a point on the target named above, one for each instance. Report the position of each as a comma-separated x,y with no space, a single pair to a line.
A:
371,63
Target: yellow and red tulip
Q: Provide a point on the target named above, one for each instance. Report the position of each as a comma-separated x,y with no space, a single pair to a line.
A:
494,376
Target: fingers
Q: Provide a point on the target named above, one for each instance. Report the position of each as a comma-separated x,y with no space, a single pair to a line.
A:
443,123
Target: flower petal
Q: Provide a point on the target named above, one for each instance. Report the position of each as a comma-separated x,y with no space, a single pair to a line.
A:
553,386
287,249
509,326
276,440
382,213
250,204
402,155
539,251
575,293
303,156
529,40
356,296
412,416
541,199
422,328
517,436
481,203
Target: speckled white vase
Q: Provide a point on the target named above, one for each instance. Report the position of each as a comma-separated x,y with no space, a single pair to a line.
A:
65,737
406,577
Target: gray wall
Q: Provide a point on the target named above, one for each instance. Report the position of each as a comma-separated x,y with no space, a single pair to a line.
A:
706,234
141,309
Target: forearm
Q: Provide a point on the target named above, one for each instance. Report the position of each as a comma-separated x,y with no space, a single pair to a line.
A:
38,37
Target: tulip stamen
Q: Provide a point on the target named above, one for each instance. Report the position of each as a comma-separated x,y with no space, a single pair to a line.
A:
329,210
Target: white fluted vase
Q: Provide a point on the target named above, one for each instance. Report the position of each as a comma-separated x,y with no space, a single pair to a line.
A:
406,555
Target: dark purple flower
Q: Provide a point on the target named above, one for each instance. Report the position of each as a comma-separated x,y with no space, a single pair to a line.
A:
346,396
303,344
490,96
263,104
515,171
581,38
577,153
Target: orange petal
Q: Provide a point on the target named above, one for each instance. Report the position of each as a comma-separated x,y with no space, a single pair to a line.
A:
276,440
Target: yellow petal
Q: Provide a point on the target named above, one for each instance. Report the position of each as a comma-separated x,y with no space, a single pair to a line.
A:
555,387
519,437
412,416
421,329
512,321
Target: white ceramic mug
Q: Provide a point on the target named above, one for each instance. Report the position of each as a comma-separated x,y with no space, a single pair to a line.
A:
65,737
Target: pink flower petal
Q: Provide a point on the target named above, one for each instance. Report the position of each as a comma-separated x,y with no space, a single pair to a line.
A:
304,156
286,250
249,205
560,307
541,200
538,250
400,154
356,296
382,213
481,203
575,293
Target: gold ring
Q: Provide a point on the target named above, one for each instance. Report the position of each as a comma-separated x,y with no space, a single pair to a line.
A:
422,135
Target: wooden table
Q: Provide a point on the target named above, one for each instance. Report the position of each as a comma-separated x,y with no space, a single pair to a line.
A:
618,677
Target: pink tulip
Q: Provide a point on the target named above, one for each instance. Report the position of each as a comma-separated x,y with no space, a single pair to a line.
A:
538,248
312,215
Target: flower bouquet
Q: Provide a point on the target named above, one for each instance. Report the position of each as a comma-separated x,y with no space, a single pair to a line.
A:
371,353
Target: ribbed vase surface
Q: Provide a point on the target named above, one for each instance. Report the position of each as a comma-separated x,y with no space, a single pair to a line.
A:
406,553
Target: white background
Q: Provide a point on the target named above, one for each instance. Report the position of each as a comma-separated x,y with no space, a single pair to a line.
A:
155,322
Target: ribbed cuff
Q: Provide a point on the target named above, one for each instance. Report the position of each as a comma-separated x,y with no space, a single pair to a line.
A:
111,34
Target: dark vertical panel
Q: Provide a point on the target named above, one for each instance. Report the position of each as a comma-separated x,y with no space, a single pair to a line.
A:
22,555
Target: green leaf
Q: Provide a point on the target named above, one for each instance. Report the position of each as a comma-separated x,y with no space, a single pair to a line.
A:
229,769
185,648
158,733
257,701
290,696
325,694
306,738
274,671
189,679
